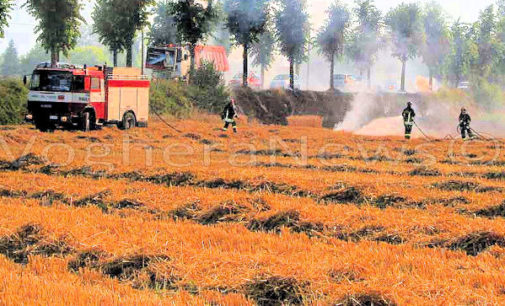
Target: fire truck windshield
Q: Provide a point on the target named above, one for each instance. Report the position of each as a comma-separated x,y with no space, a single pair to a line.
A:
161,58
61,81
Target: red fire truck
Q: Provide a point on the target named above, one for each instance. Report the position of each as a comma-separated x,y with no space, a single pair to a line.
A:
67,96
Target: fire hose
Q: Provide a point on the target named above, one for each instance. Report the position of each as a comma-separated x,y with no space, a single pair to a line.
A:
163,120
422,132
166,123
479,134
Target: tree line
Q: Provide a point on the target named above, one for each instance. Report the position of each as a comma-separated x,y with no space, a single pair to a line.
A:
452,51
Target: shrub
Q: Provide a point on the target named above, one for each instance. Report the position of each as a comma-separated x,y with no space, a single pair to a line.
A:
170,97
13,104
487,95
207,88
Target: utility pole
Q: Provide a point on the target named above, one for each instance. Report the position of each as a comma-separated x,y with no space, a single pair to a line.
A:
142,57
308,63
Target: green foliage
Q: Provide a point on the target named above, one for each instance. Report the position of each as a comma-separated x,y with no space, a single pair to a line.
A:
332,37
89,55
13,106
463,51
59,22
220,34
486,41
487,95
170,97
88,36
5,8
292,23
246,19
10,64
163,31
406,29
193,21
365,38
132,17
117,21
437,46
106,27
263,51
34,57
207,89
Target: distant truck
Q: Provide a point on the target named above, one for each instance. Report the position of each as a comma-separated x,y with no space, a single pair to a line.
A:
173,61
67,96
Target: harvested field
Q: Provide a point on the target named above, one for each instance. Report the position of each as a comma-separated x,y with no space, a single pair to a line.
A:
275,215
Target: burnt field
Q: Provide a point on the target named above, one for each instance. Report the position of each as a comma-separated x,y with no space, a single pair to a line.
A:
274,215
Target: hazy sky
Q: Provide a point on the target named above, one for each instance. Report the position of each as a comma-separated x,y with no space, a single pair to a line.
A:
22,24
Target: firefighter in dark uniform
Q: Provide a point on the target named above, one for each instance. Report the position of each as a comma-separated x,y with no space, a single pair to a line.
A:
408,120
229,114
464,124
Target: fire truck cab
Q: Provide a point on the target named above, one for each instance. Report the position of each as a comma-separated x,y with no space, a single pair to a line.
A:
174,61
67,96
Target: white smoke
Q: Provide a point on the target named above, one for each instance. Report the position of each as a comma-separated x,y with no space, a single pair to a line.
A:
359,115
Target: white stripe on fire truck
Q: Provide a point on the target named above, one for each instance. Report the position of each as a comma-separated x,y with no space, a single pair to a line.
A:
58,97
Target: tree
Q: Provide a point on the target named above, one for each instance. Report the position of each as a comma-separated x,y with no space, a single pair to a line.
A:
219,34
406,30
89,55
486,41
59,22
194,22
35,56
10,65
365,39
292,25
499,68
5,8
132,17
105,16
436,48
332,37
88,36
163,31
246,22
117,22
462,52
263,52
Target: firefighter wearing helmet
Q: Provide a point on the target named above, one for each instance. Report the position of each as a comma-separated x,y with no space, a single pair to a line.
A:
408,120
464,124
229,114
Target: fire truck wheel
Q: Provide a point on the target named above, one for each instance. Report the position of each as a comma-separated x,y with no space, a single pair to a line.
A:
87,121
129,121
43,126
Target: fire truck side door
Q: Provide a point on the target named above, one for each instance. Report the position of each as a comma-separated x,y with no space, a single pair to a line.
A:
87,83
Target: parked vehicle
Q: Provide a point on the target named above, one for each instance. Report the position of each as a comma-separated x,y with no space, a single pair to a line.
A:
174,60
253,81
282,81
341,81
464,85
67,96
391,86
